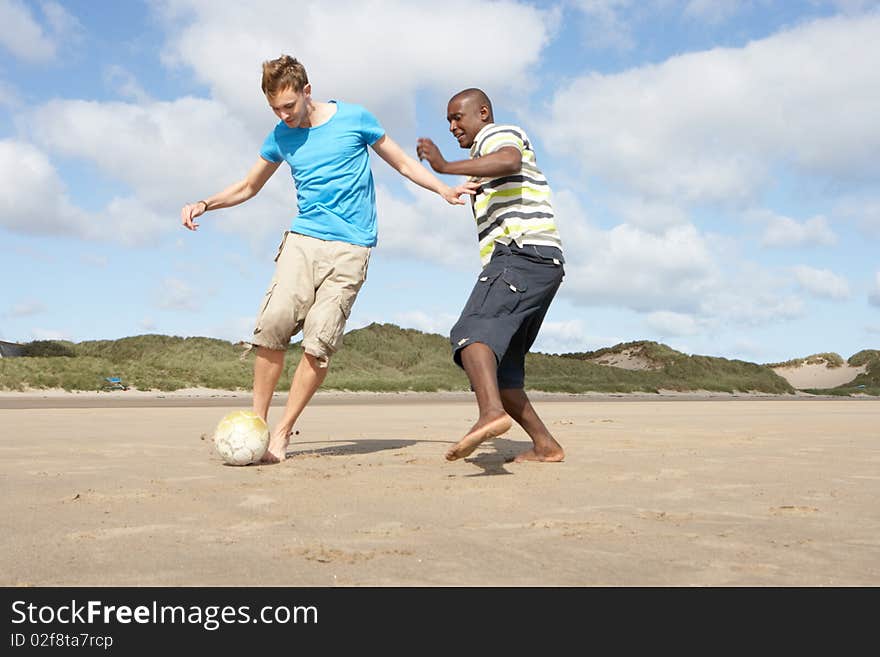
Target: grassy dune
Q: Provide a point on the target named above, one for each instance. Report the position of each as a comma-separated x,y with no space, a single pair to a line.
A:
867,383
384,357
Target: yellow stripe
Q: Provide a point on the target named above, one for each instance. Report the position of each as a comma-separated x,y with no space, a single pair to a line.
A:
517,230
526,192
504,138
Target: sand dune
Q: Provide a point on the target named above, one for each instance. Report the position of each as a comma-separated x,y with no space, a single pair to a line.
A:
818,375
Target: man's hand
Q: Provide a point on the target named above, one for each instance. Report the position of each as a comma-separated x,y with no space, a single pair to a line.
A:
427,150
190,211
453,194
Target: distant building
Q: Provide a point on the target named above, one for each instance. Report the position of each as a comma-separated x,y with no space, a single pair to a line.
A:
11,349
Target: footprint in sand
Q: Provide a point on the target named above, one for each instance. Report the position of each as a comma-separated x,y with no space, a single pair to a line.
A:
790,509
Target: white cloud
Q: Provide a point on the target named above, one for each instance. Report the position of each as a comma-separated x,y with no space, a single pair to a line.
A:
125,84
821,283
650,215
864,211
33,198
606,24
25,309
421,321
745,349
168,153
22,34
379,67
236,329
673,324
786,232
746,294
162,149
565,337
752,306
678,270
613,24
62,24
629,267
710,126
175,294
425,227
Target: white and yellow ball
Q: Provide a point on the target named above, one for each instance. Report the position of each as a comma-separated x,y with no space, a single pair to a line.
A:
241,438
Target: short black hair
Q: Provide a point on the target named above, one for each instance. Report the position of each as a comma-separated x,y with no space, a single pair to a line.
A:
475,94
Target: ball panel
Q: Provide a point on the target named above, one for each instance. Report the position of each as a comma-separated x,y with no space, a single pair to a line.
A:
241,438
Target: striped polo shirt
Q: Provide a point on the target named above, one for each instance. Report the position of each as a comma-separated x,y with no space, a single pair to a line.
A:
512,208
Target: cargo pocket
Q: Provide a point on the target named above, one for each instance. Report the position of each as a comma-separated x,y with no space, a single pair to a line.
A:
477,300
262,313
346,303
511,289
330,334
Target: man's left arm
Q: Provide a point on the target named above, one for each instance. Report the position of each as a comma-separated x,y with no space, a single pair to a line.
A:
388,150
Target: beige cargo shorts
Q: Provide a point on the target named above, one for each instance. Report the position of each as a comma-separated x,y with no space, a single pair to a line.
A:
313,290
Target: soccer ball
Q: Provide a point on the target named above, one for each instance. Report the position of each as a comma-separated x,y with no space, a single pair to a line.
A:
241,438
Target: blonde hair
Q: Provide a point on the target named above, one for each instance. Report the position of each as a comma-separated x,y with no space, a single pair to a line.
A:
283,73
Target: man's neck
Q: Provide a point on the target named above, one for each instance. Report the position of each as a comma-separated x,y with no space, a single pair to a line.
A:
319,114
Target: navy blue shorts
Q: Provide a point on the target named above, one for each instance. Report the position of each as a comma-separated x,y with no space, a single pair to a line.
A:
508,305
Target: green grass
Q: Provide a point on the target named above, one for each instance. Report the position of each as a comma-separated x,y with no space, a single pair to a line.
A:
674,370
386,358
830,359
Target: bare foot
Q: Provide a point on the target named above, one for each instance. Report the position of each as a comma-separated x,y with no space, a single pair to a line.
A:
542,455
480,432
277,450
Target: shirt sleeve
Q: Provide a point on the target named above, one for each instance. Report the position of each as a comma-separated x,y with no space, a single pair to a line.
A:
269,151
501,137
371,130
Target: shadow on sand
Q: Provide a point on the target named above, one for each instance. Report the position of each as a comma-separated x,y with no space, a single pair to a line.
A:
349,447
491,462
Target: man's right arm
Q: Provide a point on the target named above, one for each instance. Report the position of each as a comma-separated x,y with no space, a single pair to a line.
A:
506,161
236,193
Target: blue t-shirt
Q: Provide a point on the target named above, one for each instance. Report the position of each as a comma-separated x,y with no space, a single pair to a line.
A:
330,166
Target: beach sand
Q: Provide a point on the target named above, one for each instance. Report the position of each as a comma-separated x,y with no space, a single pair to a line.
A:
116,490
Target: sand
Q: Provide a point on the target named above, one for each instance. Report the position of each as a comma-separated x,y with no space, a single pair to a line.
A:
109,490
818,375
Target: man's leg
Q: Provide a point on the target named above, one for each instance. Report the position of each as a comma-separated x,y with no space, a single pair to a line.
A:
307,378
479,363
545,448
267,370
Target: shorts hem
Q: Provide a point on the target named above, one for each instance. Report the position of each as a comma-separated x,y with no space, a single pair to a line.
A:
322,355
272,347
457,348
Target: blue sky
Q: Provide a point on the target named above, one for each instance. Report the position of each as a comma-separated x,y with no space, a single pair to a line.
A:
714,164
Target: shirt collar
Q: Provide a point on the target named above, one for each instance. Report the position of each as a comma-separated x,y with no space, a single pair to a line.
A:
477,139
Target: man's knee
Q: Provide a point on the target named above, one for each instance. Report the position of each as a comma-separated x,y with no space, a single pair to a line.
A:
267,354
317,354
515,400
